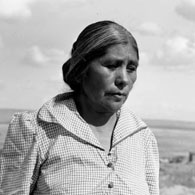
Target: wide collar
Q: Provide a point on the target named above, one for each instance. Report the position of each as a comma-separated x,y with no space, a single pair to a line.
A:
62,110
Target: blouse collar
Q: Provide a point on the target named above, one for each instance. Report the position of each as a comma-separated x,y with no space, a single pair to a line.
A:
62,110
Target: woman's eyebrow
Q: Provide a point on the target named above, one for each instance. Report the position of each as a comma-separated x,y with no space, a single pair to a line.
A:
118,61
108,61
133,62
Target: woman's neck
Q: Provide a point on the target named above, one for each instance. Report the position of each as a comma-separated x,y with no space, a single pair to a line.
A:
92,116
102,124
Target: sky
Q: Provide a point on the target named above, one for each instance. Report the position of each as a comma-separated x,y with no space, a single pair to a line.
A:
36,38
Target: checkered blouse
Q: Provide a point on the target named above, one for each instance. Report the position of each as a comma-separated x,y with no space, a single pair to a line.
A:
53,151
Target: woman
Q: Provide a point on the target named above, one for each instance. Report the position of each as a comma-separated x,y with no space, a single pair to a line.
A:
85,141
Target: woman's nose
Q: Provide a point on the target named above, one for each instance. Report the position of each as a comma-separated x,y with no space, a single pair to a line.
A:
122,78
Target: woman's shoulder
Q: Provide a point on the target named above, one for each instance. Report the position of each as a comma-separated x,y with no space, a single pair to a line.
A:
60,106
23,122
62,99
137,122
30,117
26,115
132,116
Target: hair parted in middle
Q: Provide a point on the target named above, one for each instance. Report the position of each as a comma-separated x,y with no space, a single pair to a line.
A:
92,43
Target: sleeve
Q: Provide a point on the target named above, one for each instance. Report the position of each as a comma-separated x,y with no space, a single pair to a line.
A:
19,162
152,164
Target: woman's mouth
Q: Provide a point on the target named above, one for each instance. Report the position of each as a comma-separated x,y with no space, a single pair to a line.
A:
118,96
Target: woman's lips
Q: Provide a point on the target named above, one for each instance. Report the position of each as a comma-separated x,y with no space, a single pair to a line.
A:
117,95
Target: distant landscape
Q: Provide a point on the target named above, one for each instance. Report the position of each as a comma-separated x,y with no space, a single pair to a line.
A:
176,140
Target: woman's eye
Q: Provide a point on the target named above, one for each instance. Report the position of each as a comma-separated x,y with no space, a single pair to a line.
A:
111,66
131,68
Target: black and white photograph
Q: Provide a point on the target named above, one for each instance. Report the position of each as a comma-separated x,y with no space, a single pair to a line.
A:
97,97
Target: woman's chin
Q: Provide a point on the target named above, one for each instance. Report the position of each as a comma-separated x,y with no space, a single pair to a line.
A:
113,107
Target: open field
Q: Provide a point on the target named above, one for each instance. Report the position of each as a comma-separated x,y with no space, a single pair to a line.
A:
174,142
178,140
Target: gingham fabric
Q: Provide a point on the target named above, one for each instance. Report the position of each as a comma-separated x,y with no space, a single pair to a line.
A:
53,151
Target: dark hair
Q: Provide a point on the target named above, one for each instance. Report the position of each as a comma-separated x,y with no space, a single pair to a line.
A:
92,43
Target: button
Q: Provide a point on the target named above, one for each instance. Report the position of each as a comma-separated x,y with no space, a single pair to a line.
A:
111,185
110,165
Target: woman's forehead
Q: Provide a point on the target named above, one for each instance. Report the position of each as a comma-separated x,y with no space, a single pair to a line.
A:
120,51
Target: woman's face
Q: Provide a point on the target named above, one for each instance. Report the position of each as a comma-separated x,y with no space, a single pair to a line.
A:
110,78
